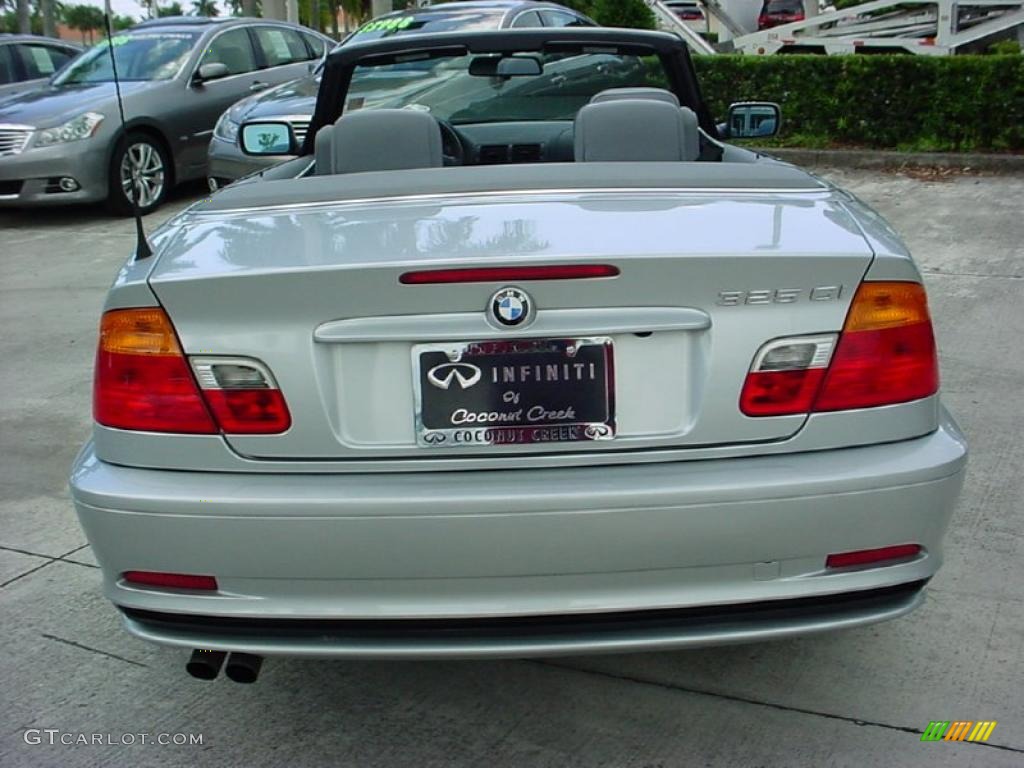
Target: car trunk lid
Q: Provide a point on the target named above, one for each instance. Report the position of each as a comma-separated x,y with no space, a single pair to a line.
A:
704,279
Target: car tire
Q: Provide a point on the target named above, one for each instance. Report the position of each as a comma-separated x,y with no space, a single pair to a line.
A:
141,157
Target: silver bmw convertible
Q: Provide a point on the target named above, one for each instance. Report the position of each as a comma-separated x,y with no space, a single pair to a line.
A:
517,357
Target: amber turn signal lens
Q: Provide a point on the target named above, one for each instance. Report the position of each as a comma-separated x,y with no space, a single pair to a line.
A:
145,331
887,305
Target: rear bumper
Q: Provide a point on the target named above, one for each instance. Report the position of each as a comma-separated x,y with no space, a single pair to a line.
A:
709,551
519,637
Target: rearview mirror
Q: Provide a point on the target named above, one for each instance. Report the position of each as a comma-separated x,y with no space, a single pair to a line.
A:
213,70
268,139
505,66
753,120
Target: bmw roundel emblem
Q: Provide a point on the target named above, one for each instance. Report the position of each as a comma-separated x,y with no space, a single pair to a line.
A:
511,307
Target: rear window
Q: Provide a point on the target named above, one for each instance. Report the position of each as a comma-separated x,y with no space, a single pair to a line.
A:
281,46
41,60
6,65
467,20
783,6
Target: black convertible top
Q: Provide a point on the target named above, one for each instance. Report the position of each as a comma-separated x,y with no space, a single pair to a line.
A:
670,49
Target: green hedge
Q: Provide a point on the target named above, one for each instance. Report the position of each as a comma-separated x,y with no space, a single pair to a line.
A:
922,103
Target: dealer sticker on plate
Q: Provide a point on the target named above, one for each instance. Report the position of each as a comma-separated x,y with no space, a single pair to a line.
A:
514,391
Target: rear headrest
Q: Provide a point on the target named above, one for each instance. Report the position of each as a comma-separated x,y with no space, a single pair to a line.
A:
654,94
379,140
635,129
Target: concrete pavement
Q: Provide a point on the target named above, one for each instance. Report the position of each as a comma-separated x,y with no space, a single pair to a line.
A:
854,698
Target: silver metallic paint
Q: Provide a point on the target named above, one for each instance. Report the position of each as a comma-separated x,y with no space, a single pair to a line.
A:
493,543
396,533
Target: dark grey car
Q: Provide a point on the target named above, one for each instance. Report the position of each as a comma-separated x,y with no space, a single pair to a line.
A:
293,102
65,142
28,61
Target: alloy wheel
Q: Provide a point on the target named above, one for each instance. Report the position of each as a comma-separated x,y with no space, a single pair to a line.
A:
142,167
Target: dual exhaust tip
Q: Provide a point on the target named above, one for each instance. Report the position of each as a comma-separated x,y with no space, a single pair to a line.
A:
241,667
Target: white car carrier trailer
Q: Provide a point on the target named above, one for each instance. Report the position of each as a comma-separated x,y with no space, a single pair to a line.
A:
930,27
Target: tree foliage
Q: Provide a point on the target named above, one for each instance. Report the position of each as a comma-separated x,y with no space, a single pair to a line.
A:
87,19
205,8
327,7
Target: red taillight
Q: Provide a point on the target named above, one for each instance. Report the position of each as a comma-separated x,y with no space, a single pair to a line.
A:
242,395
249,411
884,355
170,580
882,367
778,393
786,375
501,274
142,379
873,556
145,382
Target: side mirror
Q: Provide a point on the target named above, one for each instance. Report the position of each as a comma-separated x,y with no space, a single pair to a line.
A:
214,70
268,138
505,66
752,120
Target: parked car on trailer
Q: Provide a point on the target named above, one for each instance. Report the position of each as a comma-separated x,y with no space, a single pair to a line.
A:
777,12
690,12
633,389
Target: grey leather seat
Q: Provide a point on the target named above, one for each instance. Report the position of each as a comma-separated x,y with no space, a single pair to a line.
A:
655,94
379,140
636,124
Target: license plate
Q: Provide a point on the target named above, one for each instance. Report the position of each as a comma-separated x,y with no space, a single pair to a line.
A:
514,392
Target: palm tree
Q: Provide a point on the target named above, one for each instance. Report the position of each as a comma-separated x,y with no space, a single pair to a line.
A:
47,9
85,18
24,19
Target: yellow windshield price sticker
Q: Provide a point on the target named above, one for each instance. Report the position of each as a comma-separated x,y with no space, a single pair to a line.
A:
387,25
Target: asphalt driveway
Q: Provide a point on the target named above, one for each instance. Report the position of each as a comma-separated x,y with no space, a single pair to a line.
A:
859,697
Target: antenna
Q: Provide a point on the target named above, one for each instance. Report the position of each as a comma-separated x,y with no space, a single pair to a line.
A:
142,248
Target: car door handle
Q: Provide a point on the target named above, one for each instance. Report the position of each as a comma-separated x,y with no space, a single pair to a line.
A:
258,86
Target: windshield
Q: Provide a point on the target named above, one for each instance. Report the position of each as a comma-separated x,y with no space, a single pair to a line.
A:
139,56
445,88
448,20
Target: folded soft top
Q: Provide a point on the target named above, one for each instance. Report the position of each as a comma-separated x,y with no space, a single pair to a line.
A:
540,177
